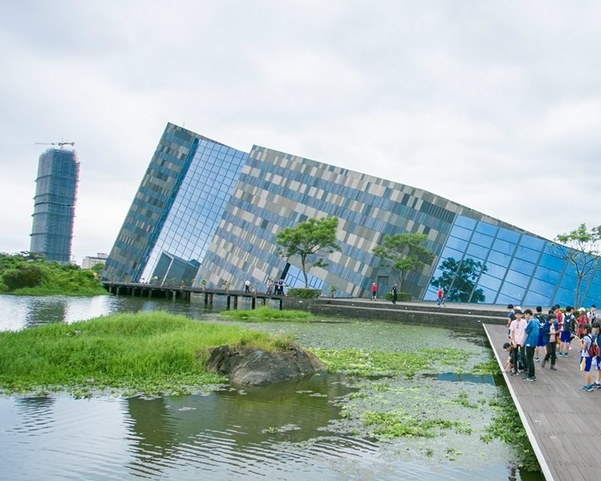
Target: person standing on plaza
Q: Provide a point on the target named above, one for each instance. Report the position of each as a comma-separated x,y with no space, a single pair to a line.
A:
541,344
269,287
510,318
517,332
374,291
585,358
596,362
395,293
532,329
550,332
247,286
581,320
592,314
566,332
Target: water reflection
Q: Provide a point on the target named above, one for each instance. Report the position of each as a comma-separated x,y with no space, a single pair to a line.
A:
20,312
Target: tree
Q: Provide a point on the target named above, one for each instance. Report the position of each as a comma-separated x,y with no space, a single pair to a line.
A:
581,249
458,280
405,253
310,240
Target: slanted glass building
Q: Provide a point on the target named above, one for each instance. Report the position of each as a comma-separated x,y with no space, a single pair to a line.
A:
207,212
54,204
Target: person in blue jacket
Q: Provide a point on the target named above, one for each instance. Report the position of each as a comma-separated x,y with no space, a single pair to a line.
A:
532,329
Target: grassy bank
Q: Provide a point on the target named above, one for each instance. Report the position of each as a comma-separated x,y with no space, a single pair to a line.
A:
150,353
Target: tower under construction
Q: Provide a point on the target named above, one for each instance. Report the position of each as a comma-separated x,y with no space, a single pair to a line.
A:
54,204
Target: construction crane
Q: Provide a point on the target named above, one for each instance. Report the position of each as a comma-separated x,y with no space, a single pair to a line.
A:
60,144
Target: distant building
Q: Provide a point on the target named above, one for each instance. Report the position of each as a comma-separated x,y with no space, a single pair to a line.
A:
54,204
90,261
203,206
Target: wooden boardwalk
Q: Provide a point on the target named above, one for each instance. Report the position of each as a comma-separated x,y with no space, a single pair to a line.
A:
562,421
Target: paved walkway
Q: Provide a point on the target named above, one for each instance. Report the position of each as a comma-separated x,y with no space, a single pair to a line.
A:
562,421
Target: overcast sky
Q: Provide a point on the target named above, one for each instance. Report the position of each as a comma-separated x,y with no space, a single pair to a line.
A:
495,105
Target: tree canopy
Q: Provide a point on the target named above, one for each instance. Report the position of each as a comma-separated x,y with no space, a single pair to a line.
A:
404,253
30,273
580,248
311,241
458,280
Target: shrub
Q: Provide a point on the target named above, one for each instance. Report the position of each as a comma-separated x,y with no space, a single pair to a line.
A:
303,293
403,296
26,276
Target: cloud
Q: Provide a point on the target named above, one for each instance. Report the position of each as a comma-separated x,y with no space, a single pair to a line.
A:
493,105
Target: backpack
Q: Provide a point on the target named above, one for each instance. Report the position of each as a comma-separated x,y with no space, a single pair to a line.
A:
593,350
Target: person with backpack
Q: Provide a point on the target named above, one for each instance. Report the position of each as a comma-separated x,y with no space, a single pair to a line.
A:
596,362
589,351
566,332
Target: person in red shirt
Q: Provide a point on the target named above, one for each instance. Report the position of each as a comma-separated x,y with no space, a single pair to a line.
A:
374,291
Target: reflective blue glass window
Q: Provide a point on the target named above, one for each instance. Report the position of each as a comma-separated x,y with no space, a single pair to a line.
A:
517,278
532,242
448,253
547,275
564,297
527,254
552,262
534,299
506,299
522,266
455,243
482,240
465,222
490,282
477,252
498,258
542,287
489,294
488,229
512,291
495,270
503,246
508,235
461,233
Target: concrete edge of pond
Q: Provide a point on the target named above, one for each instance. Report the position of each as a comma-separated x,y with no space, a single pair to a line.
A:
453,316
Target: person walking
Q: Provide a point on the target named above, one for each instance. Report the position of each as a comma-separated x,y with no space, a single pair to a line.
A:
374,291
440,297
395,294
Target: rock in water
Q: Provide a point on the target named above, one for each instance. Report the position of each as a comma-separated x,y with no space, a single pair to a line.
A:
256,367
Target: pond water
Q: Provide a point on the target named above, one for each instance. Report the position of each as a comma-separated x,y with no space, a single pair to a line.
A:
303,431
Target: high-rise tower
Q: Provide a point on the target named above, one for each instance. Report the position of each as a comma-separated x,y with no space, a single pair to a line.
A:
54,204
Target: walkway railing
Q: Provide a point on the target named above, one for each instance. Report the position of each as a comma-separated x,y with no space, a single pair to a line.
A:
185,292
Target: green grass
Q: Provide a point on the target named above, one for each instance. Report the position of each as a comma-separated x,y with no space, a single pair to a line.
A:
265,314
150,353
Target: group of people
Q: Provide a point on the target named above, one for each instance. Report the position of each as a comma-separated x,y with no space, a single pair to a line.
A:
394,292
536,336
275,287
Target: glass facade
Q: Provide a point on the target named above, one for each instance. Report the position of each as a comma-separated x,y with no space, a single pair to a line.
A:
519,268
54,205
197,208
218,210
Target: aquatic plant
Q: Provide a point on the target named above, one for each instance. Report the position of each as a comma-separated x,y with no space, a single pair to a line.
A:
507,426
266,314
